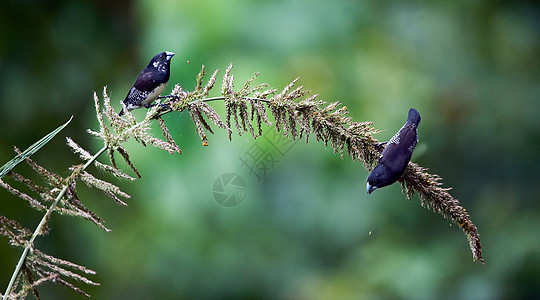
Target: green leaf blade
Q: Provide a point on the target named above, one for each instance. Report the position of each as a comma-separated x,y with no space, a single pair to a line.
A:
31,150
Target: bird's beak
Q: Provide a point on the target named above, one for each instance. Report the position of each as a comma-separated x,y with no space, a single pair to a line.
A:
169,55
370,188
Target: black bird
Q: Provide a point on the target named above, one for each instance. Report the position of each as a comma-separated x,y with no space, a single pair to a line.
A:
396,155
150,83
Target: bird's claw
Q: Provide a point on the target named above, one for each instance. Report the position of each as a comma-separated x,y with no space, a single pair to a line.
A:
160,104
165,106
380,146
169,96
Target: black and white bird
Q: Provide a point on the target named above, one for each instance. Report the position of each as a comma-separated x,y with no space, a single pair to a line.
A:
396,155
150,83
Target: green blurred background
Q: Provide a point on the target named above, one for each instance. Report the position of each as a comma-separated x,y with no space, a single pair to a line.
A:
308,229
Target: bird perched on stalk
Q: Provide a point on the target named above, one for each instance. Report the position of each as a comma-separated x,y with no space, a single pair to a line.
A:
396,155
150,83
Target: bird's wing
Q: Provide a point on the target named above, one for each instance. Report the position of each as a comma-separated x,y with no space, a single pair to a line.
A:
145,81
399,150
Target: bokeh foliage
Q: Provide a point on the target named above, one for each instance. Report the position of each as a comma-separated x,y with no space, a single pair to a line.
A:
307,229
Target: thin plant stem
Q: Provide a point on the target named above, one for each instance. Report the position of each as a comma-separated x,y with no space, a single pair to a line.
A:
161,113
42,224
223,98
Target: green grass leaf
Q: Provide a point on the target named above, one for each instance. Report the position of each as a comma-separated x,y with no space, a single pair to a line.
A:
31,150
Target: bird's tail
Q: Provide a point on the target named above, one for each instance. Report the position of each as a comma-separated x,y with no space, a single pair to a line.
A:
414,117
